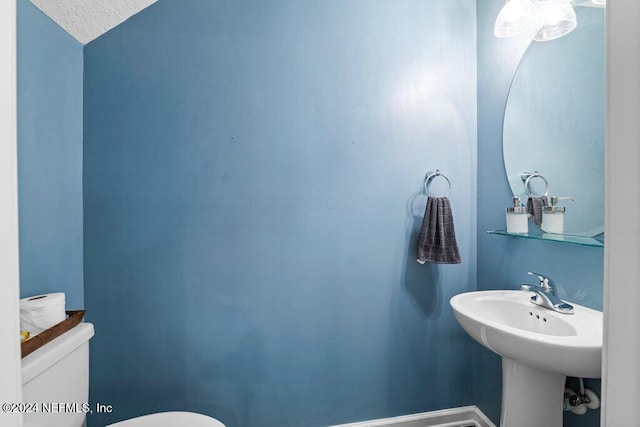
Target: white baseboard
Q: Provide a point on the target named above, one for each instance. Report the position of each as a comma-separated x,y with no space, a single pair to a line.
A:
467,416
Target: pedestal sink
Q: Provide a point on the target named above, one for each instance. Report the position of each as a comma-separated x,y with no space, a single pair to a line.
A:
539,349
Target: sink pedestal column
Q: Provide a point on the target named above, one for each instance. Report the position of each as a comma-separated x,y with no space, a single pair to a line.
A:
530,397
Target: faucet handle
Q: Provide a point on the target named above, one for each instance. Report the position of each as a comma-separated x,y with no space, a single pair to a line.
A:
545,282
526,288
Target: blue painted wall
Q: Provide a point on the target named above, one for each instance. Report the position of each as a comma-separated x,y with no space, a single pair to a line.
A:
50,92
253,190
252,200
503,262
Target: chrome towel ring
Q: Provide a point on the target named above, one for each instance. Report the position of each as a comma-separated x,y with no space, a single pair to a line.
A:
430,175
527,177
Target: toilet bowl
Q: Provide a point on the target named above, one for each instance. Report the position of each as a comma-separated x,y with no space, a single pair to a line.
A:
170,419
59,372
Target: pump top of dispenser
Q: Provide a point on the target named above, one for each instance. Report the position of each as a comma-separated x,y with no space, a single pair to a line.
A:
553,207
517,207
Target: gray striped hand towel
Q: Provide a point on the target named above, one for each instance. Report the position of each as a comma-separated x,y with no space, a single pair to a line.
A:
535,205
437,242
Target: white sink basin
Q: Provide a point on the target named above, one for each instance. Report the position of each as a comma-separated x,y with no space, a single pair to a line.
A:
507,323
539,348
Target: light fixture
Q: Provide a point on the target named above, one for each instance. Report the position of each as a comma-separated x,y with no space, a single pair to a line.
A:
557,17
599,1
551,19
516,17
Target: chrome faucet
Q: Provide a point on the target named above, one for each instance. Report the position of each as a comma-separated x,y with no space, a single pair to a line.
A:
545,294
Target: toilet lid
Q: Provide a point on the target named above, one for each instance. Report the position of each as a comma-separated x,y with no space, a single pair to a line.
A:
170,419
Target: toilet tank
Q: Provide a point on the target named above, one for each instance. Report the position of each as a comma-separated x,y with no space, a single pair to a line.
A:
55,377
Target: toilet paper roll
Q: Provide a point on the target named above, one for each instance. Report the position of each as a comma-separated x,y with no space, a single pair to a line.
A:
41,312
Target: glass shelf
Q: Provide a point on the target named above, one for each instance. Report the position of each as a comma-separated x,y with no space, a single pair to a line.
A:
562,238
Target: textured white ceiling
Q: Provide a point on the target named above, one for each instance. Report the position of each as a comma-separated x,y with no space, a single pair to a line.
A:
88,19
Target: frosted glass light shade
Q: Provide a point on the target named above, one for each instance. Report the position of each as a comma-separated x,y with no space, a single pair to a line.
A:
558,19
599,1
515,17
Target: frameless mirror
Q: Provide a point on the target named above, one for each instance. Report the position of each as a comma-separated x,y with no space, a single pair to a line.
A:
555,119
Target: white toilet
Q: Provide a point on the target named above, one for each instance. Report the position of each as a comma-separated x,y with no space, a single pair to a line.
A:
57,374
170,419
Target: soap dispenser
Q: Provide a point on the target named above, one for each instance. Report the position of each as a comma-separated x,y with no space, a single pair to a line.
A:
517,218
553,216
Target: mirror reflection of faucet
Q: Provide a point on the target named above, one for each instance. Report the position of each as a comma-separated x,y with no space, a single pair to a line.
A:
545,294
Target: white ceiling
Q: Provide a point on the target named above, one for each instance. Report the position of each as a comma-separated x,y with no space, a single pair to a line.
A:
87,20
